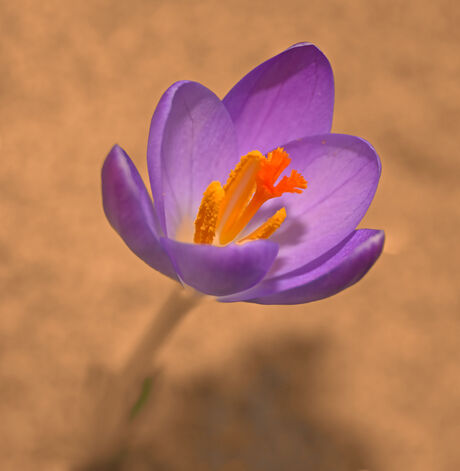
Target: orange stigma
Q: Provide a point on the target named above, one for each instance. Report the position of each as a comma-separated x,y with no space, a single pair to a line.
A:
249,186
271,168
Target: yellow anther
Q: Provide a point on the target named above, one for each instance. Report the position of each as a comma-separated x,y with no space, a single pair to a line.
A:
265,230
245,164
229,209
206,219
239,189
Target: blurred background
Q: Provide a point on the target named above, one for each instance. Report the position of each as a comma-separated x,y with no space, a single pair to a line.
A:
366,380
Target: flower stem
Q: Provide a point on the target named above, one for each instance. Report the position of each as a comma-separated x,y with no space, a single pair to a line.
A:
179,302
124,394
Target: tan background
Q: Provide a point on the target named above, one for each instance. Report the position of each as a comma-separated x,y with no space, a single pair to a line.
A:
366,380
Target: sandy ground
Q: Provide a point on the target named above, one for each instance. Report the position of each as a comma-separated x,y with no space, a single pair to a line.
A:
366,380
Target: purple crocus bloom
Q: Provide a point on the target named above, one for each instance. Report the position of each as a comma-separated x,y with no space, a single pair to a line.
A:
284,105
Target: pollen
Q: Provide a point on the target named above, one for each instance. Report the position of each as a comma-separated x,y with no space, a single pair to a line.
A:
227,210
206,219
249,163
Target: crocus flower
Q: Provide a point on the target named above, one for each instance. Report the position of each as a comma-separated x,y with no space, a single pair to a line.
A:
224,220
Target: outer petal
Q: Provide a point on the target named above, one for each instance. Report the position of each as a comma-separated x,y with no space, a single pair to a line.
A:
221,271
287,97
129,209
340,268
191,143
342,173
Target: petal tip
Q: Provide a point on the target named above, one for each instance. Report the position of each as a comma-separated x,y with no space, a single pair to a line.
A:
115,156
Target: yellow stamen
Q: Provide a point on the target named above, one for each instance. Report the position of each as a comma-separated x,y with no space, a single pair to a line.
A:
265,230
265,189
239,188
206,219
253,181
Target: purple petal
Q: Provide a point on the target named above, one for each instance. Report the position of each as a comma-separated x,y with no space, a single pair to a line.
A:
287,97
343,266
342,173
191,143
221,271
129,209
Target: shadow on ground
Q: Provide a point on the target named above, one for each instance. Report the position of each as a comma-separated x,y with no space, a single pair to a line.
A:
259,412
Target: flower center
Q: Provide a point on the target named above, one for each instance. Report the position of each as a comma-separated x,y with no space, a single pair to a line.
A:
227,210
